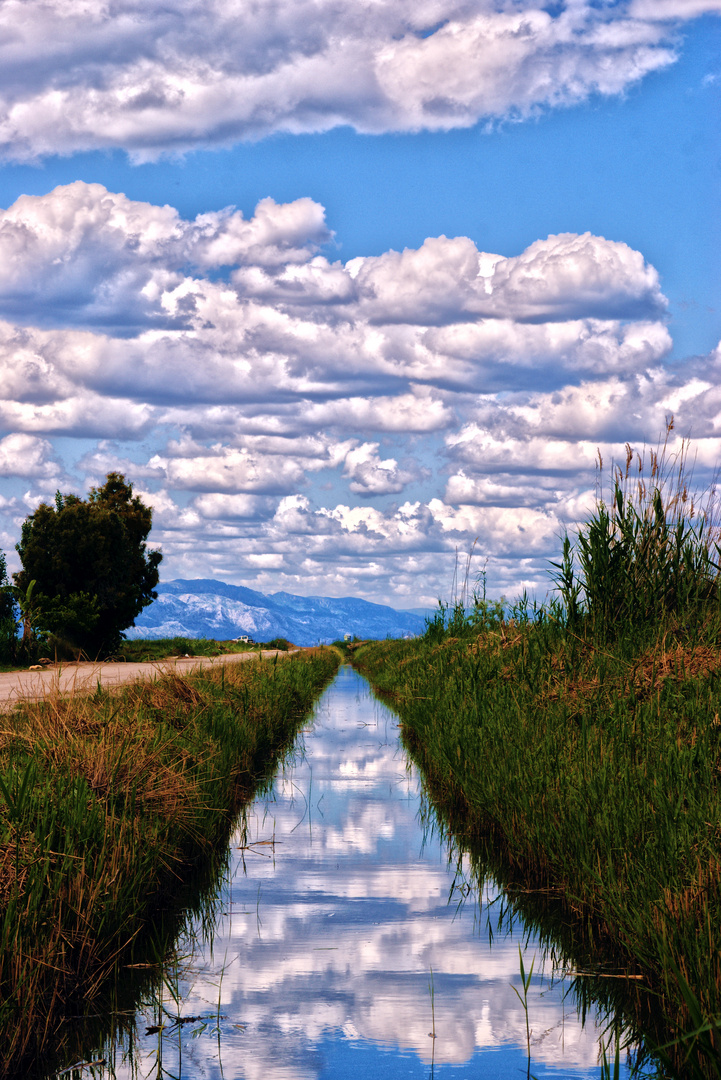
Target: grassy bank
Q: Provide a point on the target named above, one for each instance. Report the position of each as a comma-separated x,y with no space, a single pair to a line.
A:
594,774
579,746
109,804
143,649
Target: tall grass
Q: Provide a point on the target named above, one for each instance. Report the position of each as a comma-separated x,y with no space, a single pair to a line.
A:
580,742
108,803
651,553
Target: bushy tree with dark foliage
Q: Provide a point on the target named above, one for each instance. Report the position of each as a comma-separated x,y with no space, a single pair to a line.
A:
8,622
92,571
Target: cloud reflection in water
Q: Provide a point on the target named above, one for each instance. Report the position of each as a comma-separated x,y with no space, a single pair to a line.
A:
330,934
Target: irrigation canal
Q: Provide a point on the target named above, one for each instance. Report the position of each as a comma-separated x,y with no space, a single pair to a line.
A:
343,940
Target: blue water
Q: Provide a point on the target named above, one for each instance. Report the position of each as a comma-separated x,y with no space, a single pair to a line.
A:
344,941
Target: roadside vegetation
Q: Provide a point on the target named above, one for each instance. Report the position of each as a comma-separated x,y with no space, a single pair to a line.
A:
86,574
576,747
109,804
145,649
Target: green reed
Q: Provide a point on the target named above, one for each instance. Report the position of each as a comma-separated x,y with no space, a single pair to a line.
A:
651,553
523,998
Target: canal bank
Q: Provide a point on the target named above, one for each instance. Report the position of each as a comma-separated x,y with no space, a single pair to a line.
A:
86,676
112,803
347,940
587,772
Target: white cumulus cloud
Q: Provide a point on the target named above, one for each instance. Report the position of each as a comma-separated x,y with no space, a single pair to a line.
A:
369,475
153,77
84,254
28,456
275,406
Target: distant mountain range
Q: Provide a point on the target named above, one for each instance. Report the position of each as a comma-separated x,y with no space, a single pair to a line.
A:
212,609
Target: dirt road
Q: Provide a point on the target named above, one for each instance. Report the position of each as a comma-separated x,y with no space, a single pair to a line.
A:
83,677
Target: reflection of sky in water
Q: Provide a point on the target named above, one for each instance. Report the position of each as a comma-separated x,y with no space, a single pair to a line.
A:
328,938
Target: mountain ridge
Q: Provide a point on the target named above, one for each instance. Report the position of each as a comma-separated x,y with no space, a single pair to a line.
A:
205,607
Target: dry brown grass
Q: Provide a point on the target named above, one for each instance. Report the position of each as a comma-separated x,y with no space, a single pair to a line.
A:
116,745
573,672
643,679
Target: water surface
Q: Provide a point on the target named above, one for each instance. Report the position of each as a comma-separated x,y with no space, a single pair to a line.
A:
344,941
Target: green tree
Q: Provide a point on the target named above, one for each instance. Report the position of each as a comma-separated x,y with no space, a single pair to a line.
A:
8,622
88,557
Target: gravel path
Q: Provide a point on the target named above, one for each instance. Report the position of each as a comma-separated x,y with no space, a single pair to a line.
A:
74,677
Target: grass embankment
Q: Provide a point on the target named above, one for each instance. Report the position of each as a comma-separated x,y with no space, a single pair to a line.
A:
594,773
144,649
110,802
582,745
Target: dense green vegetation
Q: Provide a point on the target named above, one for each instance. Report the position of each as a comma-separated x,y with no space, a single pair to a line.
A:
578,745
8,623
86,571
280,643
144,649
107,804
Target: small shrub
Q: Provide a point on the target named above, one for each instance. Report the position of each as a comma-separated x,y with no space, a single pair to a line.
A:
280,643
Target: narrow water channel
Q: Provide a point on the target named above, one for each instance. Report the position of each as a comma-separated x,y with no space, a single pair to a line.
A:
346,946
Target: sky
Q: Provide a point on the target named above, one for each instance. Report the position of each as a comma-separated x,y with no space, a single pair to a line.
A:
345,286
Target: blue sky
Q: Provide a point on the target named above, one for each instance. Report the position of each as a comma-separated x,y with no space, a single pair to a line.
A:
306,410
